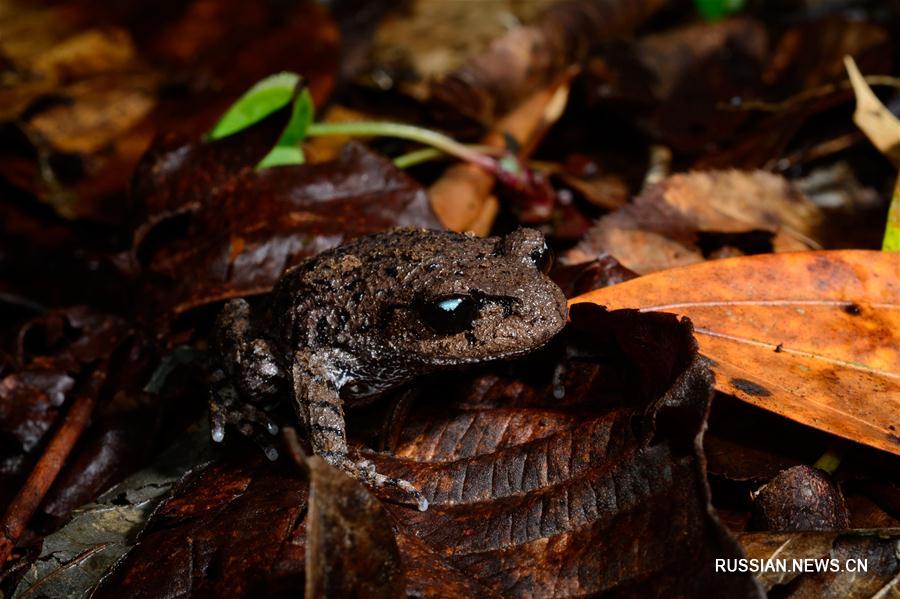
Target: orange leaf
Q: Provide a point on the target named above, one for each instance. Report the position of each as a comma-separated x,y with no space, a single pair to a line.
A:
812,336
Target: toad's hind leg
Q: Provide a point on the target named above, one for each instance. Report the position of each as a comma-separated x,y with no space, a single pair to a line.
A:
320,409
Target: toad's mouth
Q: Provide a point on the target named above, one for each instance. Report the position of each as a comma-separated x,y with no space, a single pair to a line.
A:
495,339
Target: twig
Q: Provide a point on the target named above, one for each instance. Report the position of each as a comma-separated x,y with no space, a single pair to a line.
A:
806,95
29,497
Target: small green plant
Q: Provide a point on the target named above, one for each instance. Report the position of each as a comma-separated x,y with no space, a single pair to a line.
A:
713,10
891,241
277,91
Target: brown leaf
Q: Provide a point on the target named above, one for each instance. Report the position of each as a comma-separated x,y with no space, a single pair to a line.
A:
462,198
575,279
529,57
543,489
693,68
878,548
351,549
812,336
876,121
54,351
538,488
690,217
430,39
228,531
241,228
90,86
806,55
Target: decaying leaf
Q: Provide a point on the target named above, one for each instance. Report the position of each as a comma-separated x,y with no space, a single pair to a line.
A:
211,226
876,550
70,342
351,549
88,87
526,58
74,558
812,336
693,216
430,39
539,485
229,530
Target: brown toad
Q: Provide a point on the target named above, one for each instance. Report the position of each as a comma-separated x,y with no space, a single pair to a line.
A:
371,315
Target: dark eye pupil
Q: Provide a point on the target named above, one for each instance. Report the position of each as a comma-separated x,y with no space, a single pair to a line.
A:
450,314
542,258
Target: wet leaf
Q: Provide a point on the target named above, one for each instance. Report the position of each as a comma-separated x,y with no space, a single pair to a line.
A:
229,530
811,336
73,559
54,351
85,97
351,549
582,277
580,486
240,228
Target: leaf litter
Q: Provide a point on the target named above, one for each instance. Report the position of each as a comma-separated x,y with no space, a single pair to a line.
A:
572,472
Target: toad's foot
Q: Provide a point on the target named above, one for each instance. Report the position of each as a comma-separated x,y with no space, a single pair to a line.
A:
226,408
364,471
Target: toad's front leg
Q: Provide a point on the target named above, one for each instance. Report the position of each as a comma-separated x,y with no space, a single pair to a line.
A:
320,410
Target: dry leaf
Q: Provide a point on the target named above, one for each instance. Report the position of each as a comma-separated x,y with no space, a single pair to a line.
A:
879,549
428,40
461,198
693,216
526,58
813,336
876,121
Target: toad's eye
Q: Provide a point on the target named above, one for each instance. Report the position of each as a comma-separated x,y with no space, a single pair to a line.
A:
449,314
542,257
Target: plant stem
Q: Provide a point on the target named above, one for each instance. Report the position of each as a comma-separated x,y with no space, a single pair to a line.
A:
424,136
419,156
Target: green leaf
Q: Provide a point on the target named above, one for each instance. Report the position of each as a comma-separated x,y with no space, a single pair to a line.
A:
287,150
257,103
716,9
891,241
281,156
